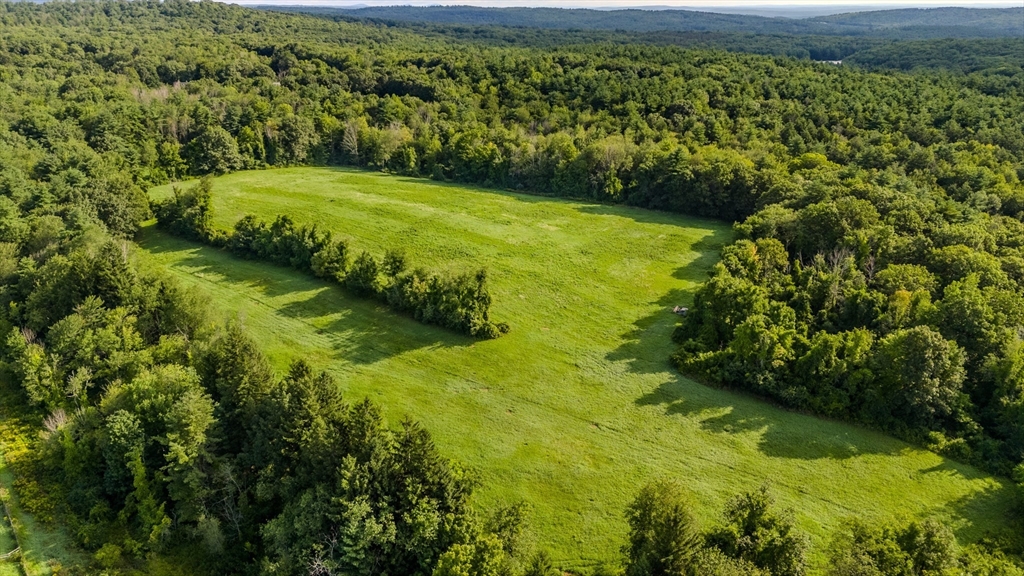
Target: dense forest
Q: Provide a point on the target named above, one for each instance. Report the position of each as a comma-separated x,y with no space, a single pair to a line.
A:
955,45
878,276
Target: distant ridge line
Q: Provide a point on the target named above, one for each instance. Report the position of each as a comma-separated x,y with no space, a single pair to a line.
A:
898,23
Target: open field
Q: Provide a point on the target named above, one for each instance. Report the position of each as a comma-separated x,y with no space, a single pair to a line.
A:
578,405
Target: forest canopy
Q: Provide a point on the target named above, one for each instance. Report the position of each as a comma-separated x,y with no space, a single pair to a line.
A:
878,275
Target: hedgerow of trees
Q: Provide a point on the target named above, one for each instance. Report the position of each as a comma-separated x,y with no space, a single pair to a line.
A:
460,302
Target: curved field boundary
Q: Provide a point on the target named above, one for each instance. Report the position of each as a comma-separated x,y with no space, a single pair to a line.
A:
578,406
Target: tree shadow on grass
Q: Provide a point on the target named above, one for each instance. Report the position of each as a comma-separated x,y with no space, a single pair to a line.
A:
366,331
643,345
644,348
202,261
651,216
997,501
358,330
804,437
782,434
779,433
789,435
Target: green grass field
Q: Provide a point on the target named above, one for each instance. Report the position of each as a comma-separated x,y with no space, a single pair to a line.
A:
577,406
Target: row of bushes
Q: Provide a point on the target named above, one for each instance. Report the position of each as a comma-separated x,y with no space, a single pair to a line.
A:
456,302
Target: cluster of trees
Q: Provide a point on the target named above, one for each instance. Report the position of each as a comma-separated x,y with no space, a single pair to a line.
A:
755,539
952,54
457,302
253,89
898,305
190,439
941,51
161,430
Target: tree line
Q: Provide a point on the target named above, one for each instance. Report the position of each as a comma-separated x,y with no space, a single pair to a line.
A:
457,302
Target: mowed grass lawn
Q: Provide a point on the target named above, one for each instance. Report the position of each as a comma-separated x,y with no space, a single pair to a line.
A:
578,406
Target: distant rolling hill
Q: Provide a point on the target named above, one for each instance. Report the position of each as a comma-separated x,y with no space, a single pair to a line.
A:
932,22
910,23
998,18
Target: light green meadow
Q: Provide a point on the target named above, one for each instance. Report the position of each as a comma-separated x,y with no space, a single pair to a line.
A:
578,406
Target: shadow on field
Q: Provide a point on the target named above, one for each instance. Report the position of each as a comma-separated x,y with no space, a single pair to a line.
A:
797,436
207,260
999,500
789,435
644,348
651,216
644,344
367,331
360,331
781,433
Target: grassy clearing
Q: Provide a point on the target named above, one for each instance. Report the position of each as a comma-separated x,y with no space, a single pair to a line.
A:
579,405
7,544
44,547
